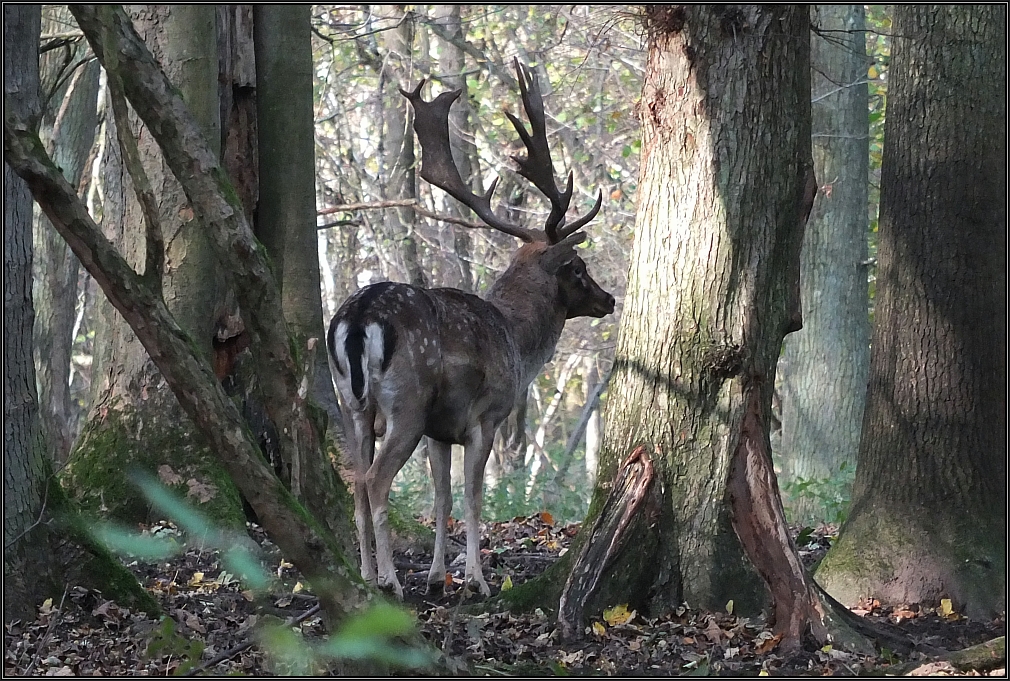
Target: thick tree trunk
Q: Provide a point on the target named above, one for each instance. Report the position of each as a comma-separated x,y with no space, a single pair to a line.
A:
287,209
28,558
134,418
726,187
824,367
44,543
928,517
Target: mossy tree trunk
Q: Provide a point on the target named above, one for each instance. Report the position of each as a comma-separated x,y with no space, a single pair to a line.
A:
928,516
135,420
824,367
726,187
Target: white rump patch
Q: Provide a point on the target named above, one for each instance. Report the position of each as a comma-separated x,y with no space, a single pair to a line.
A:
372,358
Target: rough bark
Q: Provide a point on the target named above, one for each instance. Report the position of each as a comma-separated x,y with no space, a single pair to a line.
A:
186,370
824,367
44,542
928,516
134,419
28,556
726,187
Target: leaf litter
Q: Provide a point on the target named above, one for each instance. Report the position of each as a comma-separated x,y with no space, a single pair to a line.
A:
209,613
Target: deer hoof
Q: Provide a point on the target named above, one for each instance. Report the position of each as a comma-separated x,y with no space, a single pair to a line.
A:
392,587
436,584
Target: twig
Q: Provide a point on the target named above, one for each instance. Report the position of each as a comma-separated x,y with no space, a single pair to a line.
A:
49,632
248,643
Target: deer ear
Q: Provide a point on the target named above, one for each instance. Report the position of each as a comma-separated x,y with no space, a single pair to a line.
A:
561,253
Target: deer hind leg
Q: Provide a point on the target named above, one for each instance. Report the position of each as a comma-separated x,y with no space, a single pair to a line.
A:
439,458
397,446
478,448
359,426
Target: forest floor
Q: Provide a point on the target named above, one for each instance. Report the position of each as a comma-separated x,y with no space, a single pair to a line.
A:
211,617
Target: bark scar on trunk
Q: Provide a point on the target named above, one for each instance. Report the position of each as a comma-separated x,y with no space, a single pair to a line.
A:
607,538
760,524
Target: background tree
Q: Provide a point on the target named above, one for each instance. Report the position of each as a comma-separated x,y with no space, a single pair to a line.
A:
928,517
823,369
70,83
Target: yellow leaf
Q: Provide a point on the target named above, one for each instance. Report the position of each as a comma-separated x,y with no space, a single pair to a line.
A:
298,587
826,649
46,607
946,607
197,578
729,607
618,615
599,629
506,583
763,672
873,73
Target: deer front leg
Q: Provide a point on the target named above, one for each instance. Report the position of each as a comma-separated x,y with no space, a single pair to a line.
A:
439,458
478,448
397,447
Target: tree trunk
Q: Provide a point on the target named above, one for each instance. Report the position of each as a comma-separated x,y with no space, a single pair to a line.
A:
452,65
824,367
397,147
726,187
69,129
928,516
287,208
135,419
28,557
44,544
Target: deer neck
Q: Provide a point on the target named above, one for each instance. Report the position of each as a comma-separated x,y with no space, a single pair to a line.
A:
535,316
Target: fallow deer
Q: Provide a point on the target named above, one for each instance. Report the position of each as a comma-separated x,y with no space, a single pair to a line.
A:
449,365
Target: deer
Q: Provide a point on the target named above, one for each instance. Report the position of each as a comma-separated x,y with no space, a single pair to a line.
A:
439,363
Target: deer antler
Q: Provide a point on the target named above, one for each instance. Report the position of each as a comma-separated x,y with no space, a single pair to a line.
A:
431,123
537,166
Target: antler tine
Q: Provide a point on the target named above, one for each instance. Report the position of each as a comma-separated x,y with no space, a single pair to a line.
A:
538,167
431,123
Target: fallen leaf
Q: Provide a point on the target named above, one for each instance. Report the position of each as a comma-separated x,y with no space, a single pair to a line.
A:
618,615
599,629
197,578
168,476
729,607
547,517
768,644
506,583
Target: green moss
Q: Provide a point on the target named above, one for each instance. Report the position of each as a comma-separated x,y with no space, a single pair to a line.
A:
110,447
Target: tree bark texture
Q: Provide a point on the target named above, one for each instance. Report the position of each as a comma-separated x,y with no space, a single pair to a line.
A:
28,558
69,129
726,187
824,367
928,516
134,418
